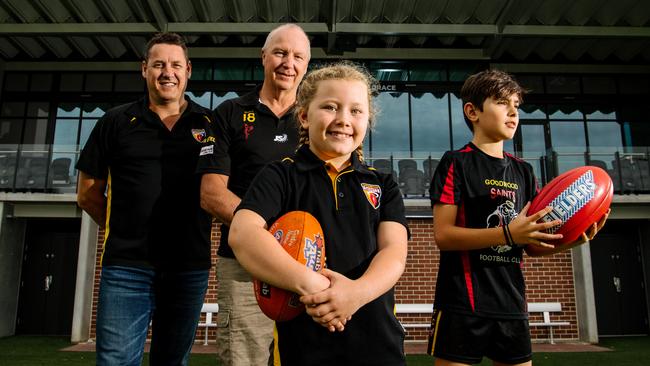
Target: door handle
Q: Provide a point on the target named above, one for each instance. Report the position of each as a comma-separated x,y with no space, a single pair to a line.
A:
48,282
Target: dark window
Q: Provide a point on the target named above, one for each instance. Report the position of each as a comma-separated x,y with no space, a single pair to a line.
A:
38,109
388,71
391,132
428,72
201,70
598,85
99,82
71,82
129,82
461,133
41,83
558,84
232,70
11,131
35,131
430,122
16,82
533,84
634,85
13,109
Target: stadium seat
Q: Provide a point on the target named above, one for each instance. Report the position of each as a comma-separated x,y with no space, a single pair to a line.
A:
629,180
429,167
7,171
60,171
411,182
406,163
385,166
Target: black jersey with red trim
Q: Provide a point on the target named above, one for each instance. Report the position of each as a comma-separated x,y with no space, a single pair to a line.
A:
154,219
349,209
248,135
488,191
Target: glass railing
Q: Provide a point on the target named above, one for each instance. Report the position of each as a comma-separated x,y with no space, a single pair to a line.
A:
38,168
628,167
50,168
411,170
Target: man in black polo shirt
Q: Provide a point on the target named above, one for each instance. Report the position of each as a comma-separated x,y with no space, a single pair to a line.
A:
157,238
249,132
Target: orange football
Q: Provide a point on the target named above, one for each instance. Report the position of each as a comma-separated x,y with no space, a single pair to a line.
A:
300,234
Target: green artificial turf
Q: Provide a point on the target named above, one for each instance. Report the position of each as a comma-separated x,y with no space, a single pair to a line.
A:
625,351
36,351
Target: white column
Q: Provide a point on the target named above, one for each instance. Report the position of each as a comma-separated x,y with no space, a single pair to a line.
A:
83,296
584,290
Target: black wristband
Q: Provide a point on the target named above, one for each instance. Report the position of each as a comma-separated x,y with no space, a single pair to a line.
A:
505,233
511,241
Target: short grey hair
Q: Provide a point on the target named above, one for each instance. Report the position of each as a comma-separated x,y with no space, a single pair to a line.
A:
282,27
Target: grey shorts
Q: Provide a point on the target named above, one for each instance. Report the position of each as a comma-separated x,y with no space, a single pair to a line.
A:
244,333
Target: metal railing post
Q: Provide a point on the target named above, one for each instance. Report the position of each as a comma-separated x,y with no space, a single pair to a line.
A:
617,158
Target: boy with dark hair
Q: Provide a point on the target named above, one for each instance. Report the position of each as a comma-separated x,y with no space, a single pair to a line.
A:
480,197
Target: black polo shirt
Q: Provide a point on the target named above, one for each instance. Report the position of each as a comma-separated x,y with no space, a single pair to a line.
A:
248,135
349,210
154,218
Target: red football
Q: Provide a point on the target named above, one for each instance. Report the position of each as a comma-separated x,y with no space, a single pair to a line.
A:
579,197
300,234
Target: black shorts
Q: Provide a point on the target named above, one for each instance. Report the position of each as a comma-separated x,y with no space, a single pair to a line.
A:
467,339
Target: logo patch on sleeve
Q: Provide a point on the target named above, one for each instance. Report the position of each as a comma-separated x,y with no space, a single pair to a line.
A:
207,150
373,194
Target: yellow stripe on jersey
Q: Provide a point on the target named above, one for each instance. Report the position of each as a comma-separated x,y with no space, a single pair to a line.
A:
436,325
334,174
276,347
107,227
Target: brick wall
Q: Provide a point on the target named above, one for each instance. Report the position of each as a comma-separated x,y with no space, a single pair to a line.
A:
548,279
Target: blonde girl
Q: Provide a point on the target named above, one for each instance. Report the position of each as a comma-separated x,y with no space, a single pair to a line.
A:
349,317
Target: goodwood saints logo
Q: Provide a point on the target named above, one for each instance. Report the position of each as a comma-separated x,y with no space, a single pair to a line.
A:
502,215
373,194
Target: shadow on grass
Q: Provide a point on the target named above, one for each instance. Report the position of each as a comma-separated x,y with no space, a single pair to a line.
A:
37,351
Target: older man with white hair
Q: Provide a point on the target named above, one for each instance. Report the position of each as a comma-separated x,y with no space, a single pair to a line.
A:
249,132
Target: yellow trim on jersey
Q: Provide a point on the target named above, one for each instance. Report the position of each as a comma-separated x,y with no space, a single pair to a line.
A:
107,229
288,159
334,174
435,332
276,347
